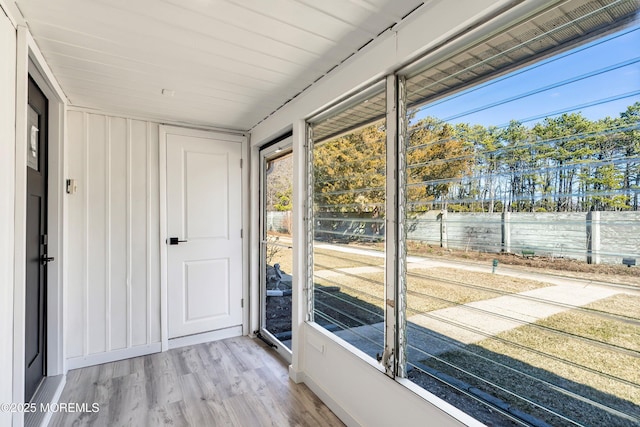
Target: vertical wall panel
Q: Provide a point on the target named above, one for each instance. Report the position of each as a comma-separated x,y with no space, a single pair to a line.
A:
75,288
113,289
7,156
139,233
118,233
97,241
153,227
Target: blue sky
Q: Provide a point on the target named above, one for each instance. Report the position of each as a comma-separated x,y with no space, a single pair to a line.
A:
619,48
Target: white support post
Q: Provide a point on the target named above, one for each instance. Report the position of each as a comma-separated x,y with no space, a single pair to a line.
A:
506,232
593,237
300,293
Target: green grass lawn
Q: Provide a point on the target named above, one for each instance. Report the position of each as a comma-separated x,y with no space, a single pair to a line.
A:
578,351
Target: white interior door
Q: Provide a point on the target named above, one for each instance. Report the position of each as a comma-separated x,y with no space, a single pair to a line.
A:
204,222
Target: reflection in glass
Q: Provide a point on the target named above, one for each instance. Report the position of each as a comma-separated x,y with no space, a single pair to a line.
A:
349,173
277,247
522,222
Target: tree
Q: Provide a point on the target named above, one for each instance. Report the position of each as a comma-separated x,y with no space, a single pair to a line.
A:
519,161
437,160
487,147
630,124
563,163
283,198
349,171
279,186
566,134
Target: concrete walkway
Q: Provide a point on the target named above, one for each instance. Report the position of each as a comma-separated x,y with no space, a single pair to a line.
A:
475,321
439,331
414,262
442,330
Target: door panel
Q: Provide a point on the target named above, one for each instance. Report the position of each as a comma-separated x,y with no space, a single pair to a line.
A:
33,339
204,213
205,299
205,217
36,242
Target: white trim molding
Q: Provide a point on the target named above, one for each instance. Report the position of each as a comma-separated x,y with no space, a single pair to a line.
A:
221,334
7,207
230,135
112,356
29,61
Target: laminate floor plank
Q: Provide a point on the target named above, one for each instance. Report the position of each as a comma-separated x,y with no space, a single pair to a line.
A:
127,403
173,414
234,382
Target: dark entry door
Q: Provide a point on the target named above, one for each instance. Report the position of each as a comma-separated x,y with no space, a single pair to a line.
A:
37,257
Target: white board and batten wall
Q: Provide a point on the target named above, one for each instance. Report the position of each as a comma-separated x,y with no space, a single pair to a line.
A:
116,244
112,296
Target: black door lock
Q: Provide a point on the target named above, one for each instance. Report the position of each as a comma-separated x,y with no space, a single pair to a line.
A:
175,241
46,259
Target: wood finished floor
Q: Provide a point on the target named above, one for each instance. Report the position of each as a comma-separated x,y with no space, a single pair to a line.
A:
234,382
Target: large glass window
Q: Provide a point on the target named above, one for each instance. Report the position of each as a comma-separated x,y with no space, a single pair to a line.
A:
509,282
522,222
348,198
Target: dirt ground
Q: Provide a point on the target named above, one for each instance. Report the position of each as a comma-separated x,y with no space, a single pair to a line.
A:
617,274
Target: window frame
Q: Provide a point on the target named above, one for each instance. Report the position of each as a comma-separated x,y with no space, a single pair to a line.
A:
393,360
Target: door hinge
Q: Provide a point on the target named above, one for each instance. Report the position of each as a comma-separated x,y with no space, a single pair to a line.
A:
240,163
241,233
242,303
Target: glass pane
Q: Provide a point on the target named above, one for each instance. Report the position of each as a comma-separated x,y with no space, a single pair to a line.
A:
523,222
33,146
277,247
349,237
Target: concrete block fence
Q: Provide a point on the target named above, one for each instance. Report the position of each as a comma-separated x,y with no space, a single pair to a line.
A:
593,237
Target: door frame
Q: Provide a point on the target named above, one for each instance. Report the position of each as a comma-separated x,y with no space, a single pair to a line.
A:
277,149
164,307
30,62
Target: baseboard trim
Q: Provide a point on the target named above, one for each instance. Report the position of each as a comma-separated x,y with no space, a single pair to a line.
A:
335,407
234,331
296,376
112,356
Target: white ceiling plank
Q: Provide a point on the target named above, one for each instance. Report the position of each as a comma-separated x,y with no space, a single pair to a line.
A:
153,47
308,19
213,34
180,67
236,22
197,46
353,13
75,68
230,62
159,33
190,113
148,89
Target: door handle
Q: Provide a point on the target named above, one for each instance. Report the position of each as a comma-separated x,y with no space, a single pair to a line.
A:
45,259
175,241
